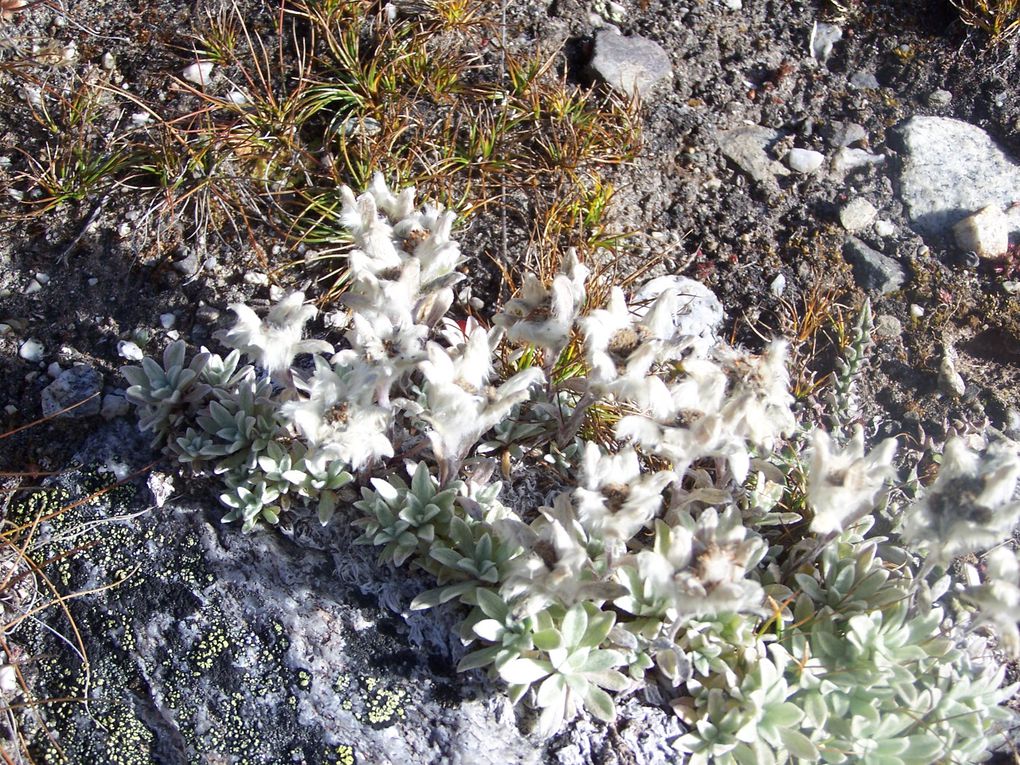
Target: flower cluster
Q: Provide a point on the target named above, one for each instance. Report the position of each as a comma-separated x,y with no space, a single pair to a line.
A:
690,552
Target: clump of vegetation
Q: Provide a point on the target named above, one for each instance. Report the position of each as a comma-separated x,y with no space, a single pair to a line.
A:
269,115
768,582
999,19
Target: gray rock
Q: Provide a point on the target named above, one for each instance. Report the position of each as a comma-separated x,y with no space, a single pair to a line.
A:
864,81
888,326
857,214
804,160
73,386
939,99
747,147
840,134
950,170
630,64
873,271
289,644
114,405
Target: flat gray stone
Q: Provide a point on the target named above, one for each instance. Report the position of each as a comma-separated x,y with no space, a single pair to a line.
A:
873,271
952,169
630,64
72,386
747,147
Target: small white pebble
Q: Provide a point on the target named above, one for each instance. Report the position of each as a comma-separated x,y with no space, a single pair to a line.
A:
198,73
256,277
11,409
916,311
173,334
857,214
129,350
32,287
93,281
124,230
237,98
31,350
109,62
138,119
884,227
42,278
167,320
804,160
54,370
778,285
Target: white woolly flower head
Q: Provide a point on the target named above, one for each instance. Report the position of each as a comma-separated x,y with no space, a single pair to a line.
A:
273,342
970,506
337,418
614,500
845,485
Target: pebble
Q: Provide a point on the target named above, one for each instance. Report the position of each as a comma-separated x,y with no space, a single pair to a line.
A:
4,329
631,64
950,380
734,5
804,160
1011,287
167,320
778,285
32,350
823,38
873,271
747,147
114,405
864,81
42,278
939,99
189,265
256,277
109,62
884,228
11,409
32,287
847,159
199,72
857,214
73,386
54,369
986,232
916,311
129,350
93,281
887,326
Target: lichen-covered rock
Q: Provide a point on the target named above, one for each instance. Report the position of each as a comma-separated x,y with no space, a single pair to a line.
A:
284,645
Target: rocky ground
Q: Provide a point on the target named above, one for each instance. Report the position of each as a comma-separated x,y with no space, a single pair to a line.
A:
796,157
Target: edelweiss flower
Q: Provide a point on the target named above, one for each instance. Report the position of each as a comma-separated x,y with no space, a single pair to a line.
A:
618,344
544,316
701,566
998,596
708,436
844,486
391,350
970,506
336,418
275,341
462,406
615,501
759,406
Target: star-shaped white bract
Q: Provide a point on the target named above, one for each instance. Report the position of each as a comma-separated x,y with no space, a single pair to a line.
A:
273,342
